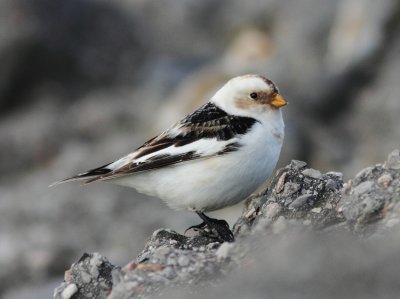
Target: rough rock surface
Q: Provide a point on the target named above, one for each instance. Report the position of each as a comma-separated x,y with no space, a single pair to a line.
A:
371,201
90,277
83,82
300,206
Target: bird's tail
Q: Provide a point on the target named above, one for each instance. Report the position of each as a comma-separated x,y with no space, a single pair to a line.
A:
87,176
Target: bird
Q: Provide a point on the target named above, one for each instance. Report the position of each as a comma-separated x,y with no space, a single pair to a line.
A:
213,158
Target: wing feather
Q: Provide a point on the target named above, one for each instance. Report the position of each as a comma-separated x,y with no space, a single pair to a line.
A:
209,131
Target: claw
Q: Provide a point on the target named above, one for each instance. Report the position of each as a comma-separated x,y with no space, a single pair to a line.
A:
219,228
200,226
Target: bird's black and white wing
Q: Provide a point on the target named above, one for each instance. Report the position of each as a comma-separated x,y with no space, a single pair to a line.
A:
207,132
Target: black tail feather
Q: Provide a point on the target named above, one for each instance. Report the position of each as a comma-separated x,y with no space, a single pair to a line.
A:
95,172
102,170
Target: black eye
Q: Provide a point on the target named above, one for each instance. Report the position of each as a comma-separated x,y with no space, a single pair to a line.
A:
253,95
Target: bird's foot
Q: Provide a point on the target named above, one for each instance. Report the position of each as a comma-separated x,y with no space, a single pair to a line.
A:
220,228
215,228
198,227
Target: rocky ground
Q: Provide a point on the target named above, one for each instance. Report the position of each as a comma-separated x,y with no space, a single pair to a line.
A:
308,234
83,82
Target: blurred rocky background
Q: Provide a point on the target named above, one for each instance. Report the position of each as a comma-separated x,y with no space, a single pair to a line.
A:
83,82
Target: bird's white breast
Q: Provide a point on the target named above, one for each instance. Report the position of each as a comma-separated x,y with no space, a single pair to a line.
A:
215,182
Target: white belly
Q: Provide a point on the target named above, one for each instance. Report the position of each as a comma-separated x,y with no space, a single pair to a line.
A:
215,182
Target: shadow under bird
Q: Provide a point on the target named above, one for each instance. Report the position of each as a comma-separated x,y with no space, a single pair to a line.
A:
212,158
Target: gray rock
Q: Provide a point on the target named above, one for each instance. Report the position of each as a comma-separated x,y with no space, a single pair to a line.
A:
171,261
186,261
372,197
393,161
296,164
363,188
315,174
299,196
90,277
302,202
290,188
332,185
84,75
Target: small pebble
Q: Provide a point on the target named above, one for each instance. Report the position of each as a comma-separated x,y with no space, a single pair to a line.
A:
150,267
183,261
335,173
94,272
347,187
393,161
385,180
130,266
171,261
281,182
69,291
67,275
162,251
223,251
301,201
272,210
169,273
296,164
214,245
316,210
86,278
311,172
331,185
364,173
250,213
363,187
290,188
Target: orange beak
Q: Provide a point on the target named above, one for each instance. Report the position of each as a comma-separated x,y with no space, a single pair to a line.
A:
278,101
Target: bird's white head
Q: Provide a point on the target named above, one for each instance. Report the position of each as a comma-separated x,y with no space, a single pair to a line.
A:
249,95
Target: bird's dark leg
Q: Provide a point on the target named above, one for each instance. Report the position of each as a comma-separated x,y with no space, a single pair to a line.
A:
219,227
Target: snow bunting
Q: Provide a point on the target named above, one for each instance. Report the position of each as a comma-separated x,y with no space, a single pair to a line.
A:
213,158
